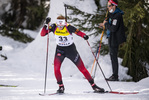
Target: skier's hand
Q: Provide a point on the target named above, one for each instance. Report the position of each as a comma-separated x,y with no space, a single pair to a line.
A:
104,22
48,19
85,37
101,25
46,26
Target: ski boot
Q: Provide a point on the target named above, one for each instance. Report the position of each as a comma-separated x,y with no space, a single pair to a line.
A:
97,89
61,89
112,78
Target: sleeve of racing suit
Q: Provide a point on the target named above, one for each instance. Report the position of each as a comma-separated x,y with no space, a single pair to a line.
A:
72,29
44,30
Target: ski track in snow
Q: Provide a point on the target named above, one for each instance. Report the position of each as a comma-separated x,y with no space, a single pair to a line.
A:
26,69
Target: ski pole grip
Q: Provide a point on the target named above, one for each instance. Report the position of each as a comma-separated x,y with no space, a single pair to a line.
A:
48,19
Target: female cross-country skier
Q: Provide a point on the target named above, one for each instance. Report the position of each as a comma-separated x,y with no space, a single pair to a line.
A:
66,48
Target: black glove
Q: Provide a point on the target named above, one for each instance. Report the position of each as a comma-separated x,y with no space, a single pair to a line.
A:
85,37
48,19
46,26
0,48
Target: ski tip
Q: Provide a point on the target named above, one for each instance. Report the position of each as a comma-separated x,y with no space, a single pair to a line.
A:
2,85
41,94
50,94
127,92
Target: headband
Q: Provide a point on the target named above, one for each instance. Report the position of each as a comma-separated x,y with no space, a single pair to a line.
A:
111,1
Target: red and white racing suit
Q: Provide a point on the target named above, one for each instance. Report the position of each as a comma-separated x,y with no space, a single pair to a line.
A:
66,48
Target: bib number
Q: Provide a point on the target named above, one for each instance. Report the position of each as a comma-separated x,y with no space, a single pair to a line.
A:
63,39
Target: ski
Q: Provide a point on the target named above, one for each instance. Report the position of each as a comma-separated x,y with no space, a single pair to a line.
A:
95,92
114,92
2,85
55,93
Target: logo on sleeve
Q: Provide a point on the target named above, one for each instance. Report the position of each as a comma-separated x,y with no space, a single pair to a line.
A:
58,54
114,21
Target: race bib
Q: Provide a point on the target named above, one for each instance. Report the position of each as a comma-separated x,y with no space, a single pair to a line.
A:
63,37
64,40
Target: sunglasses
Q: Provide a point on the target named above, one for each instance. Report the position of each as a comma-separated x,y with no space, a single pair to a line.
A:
60,26
109,5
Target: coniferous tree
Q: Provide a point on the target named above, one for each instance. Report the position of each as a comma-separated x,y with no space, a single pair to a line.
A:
22,14
90,22
136,49
25,14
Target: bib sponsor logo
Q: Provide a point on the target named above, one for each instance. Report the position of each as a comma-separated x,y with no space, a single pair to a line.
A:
61,32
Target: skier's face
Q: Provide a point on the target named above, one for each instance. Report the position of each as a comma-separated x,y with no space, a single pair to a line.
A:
60,27
60,23
111,7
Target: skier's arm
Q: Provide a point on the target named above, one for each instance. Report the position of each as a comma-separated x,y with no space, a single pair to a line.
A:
78,32
83,35
46,27
44,31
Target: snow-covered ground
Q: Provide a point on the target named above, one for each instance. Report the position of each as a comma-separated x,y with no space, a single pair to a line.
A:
25,67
